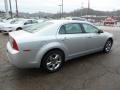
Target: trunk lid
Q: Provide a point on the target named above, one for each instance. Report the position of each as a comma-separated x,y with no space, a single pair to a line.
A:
19,34
19,37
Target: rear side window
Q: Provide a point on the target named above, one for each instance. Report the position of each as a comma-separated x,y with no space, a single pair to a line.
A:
72,28
62,30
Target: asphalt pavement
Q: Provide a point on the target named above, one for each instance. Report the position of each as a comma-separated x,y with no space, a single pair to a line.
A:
97,71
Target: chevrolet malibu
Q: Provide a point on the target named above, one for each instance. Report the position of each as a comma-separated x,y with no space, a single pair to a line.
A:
49,44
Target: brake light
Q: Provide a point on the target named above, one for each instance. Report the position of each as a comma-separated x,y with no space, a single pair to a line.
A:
14,45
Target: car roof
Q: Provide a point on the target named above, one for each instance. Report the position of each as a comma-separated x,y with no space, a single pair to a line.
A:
67,21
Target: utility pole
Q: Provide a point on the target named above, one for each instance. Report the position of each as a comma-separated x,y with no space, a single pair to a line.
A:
60,11
81,9
10,8
62,8
16,8
88,8
6,8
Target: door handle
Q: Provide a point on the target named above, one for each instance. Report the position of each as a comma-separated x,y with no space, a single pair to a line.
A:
89,37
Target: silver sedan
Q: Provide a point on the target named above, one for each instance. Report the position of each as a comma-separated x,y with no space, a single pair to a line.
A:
49,44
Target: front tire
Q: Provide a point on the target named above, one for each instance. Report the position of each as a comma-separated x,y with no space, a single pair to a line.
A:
108,46
52,61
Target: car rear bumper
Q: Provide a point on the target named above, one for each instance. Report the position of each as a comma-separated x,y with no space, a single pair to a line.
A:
20,60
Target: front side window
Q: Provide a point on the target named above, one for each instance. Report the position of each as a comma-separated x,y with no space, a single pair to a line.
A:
72,28
89,28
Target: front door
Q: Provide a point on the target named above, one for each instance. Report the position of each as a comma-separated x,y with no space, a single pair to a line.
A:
95,39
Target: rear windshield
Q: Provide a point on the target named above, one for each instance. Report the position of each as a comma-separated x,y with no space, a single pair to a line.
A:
37,27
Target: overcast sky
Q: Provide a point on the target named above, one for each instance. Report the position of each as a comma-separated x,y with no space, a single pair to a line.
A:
69,5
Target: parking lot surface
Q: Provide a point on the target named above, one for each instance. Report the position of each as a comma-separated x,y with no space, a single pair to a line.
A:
93,72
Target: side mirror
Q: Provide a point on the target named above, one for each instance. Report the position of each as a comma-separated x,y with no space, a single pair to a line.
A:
100,31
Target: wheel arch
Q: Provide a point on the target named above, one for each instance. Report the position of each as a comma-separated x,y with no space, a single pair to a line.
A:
49,47
53,49
19,28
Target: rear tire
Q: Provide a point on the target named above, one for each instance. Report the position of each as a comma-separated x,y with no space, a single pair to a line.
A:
108,46
52,61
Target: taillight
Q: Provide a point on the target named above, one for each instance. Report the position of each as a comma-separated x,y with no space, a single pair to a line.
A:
14,45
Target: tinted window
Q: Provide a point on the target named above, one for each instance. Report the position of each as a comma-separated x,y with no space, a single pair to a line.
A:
89,28
62,30
72,28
